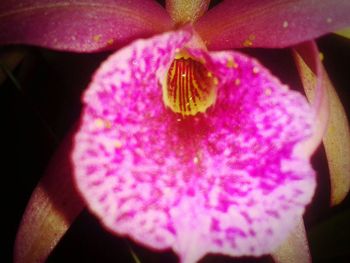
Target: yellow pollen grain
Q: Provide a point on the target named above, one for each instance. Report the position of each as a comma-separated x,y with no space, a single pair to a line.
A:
321,56
256,70
108,124
196,160
110,41
247,43
267,92
99,123
209,74
96,38
117,144
237,82
231,64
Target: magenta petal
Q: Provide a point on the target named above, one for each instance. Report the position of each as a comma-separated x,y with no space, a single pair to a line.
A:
265,23
227,181
82,26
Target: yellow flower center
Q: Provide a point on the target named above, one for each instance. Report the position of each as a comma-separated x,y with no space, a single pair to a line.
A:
189,87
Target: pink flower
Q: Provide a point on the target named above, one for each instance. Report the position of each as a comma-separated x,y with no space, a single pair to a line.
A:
206,165
180,147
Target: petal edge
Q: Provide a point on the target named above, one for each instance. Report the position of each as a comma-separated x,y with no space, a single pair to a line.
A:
80,26
271,24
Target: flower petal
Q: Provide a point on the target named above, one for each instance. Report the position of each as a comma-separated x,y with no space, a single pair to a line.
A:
295,248
336,138
336,142
186,11
52,208
228,181
264,23
310,71
344,32
82,26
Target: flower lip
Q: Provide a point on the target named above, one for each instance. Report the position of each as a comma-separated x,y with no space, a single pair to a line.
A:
189,87
227,181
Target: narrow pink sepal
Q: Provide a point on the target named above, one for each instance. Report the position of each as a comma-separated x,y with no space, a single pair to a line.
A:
336,142
310,70
51,210
228,181
265,23
296,248
336,138
81,26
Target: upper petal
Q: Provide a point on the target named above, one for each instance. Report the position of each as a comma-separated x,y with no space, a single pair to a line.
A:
265,23
186,11
227,181
331,118
82,26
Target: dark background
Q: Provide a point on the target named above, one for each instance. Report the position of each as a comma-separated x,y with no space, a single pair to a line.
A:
36,115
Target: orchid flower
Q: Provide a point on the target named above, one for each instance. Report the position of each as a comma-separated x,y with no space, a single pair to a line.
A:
182,145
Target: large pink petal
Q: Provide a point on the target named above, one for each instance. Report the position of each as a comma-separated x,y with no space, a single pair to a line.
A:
82,26
265,23
228,181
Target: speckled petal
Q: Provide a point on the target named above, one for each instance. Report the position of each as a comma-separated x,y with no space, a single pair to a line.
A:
266,23
331,118
80,25
227,181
